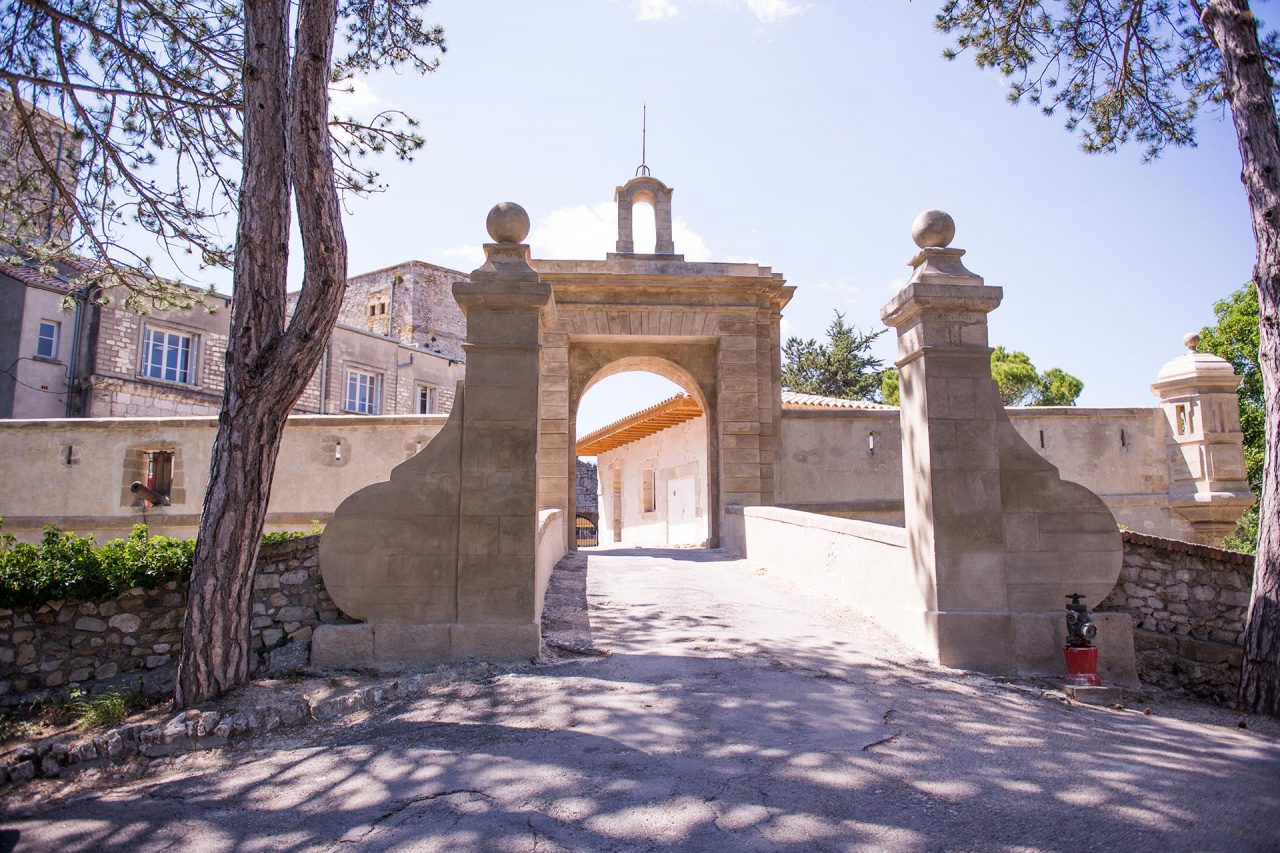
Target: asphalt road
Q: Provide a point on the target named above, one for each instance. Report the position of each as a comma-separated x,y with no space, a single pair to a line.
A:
733,713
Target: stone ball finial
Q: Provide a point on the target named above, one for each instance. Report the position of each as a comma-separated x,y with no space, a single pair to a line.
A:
1191,340
507,223
933,229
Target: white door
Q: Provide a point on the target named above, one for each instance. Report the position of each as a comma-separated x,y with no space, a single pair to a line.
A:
683,527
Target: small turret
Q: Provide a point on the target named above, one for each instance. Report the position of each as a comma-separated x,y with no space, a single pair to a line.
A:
1207,481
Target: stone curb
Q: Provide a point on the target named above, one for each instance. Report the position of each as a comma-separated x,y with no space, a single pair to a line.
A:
194,730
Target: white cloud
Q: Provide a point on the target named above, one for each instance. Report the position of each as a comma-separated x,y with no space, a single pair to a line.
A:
578,232
769,11
654,10
897,284
465,258
846,294
589,232
354,96
687,242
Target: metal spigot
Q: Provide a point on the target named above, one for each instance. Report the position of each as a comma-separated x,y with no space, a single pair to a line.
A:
1080,627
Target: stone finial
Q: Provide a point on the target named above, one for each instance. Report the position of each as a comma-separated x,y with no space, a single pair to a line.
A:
507,223
936,262
1191,340
933,229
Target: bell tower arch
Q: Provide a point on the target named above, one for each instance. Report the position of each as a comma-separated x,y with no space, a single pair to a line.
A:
644,188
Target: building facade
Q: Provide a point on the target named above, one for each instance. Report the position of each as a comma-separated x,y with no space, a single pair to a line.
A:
67,356
1174,470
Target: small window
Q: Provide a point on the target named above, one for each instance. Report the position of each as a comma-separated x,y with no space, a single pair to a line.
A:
427,400
160,472
47,342
650,491
1183,414
168,355
364,392
382,308
373,310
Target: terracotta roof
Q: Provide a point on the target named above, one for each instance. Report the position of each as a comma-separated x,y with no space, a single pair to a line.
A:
642,424
682,407
795,400
33,276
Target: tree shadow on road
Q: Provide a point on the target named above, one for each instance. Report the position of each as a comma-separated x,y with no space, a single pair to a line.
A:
693,737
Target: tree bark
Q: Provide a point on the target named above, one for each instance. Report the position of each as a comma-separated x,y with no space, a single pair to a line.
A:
1250,90
286,153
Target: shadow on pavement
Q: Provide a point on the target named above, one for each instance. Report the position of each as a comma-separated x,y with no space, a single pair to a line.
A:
794,740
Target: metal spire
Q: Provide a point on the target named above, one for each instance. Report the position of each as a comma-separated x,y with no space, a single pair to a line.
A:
644,142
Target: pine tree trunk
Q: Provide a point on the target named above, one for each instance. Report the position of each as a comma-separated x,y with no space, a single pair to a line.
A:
1249,90
286,152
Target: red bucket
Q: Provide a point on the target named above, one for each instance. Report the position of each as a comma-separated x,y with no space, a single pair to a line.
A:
1082,665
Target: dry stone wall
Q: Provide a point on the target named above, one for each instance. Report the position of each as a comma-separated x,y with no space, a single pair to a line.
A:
587,487
92,645
1189,604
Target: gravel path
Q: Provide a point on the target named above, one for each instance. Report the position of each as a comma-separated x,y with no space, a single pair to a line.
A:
697,703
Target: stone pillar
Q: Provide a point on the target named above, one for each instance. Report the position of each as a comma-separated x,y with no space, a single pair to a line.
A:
996,538
626,243
1208,483
665,243
439,559
498,516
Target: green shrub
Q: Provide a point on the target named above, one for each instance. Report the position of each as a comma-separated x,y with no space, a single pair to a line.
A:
65,565
282,536
105,709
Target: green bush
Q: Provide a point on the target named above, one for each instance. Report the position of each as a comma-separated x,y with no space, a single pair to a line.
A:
282,536
65,565
105,709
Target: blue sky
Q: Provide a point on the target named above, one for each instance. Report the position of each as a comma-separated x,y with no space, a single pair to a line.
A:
807,136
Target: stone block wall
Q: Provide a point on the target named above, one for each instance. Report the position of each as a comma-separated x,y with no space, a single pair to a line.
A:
587,490
115,398
118,388
47,650
32,208
1189,604
412,303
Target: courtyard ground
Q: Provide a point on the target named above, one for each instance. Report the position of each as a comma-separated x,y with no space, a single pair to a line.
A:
696,702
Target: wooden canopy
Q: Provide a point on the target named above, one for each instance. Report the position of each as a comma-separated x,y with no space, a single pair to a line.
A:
642,424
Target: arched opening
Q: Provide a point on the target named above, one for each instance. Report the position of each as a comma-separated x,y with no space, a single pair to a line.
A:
642,423
586,529
644,224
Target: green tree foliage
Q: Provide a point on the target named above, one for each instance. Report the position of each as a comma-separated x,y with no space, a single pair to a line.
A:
1019,382
889,387
842,367
1118,71
1022,385
1235,338
153,96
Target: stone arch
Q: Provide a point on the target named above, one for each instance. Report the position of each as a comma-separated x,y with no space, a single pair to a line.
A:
710,327
692,366
644,189
655,364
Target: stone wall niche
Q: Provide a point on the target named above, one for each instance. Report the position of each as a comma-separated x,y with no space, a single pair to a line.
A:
440,560
996,538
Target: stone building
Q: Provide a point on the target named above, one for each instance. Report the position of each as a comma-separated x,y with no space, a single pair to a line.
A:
30,206
103,361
